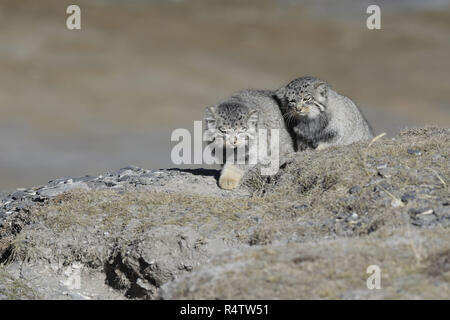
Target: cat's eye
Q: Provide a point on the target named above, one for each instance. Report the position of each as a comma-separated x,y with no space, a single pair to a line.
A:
222,129
244,129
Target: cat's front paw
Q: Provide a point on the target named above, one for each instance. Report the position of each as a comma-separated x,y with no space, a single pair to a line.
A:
228,182
230,178
323,146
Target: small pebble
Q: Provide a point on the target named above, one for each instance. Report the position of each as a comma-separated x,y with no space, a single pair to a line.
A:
415,152
408,196
396,203
386,172
354,189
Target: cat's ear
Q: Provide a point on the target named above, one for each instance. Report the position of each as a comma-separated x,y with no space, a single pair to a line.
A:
280,98
321,88
252,119
279,94
210,118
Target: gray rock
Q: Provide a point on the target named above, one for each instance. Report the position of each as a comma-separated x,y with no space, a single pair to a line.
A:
145,180
409,196
130,170
386,172
58,181
84,179
415,152
110,182
61,188
443,213
354,189
19,195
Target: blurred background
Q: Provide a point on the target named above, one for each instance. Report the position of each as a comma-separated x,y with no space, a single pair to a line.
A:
109,95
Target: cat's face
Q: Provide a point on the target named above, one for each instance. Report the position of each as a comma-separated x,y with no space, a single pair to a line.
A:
304,98
232,122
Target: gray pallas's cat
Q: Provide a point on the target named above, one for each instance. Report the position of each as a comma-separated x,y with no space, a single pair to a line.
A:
318,117
234,122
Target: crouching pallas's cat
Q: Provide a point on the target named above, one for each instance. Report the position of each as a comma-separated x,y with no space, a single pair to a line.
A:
318,117
234,122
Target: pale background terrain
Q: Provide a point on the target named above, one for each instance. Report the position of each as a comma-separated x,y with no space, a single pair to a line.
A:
108,96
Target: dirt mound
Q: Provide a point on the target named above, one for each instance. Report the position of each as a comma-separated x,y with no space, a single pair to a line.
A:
310,231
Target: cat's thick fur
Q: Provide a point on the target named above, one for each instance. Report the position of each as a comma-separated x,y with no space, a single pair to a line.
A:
238,117
318,117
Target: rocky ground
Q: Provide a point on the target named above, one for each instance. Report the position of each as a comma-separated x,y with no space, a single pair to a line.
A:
310,231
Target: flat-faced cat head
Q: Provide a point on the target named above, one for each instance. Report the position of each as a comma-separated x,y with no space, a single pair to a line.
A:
233,122
303,98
